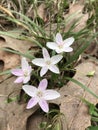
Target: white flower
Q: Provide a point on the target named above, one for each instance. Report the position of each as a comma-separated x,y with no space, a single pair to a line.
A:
40,95
23,73
61,45
47,62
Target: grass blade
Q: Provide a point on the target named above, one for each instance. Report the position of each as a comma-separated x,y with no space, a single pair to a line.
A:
82,86
5,72
19,53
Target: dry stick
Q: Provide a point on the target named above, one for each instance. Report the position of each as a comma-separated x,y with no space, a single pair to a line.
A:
6,11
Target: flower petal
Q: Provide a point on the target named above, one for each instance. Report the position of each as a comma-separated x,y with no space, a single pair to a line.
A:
43,84
43,71
46,54
59,50
54,69
55,59
52,45
68,41
39,62
29,69
19,80
17,72
68,49
51,94
26,79
30,90
24,64
44,105
59,39
32,102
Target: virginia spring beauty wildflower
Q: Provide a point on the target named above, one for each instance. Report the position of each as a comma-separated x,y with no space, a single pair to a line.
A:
47,62
24,73
40,95
60,45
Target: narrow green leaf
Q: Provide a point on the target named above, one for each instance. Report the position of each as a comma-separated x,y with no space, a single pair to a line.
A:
57,126
28,21
94,118
42,125
92,128
19,53
5,72
8,34
9,100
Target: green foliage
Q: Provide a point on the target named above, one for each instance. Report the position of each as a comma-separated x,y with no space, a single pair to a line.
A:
93,111
35,30
5,72
92,128
36,33
42,125
27,55
91,74
21,6
9,100
54,121
91,7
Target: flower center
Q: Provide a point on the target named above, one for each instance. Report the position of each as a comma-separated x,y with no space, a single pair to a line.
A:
48,62
60,46
25,73
39,94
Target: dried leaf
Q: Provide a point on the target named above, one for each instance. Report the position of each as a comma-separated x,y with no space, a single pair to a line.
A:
10,60
76,10
76,112
13,115
41,11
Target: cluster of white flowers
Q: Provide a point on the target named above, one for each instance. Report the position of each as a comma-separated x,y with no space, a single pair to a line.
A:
40,95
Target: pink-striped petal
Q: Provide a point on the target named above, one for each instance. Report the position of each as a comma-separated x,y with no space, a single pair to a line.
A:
43,71
68,49
43,84
54,69
55,59
17,72
29,69
39,62
51,94
32,102
68,42
52,45
26,79
45,54
30,90
24,64
59,39
19,80
44,106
